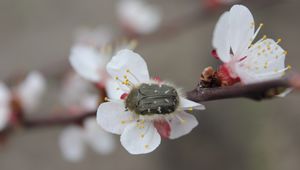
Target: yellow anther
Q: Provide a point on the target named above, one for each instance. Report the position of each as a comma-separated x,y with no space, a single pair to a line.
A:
261,24
123,122
264,37
285,52
142,135
289,67
133,44
146,146
279,40
127,70
190,109
117,78
125,77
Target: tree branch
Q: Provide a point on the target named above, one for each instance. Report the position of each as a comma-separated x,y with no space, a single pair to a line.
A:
57,121
256,91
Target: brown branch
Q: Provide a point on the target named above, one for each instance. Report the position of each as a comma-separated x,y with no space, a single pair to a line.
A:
256,91
57,121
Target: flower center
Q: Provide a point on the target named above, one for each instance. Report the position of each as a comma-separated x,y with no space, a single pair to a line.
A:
149,99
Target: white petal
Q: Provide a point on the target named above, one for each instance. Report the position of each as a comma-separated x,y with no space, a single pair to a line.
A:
185,103
265,61
31,90
87,62
112,117
127,60
113,89
74,83
5,98
241,29
221,38
285,93
139,16
71,143
140,138
5,95
182,124
101,141
96,37
4,116
90,102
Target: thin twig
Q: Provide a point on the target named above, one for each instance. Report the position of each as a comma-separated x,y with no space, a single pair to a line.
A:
256,91
57,121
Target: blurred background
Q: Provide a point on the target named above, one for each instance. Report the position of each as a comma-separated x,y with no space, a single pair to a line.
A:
232,134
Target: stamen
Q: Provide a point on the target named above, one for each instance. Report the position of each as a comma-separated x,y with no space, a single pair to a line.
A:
111,100
182,121
130,73
275,72
126,82
279,40
256,32
133,44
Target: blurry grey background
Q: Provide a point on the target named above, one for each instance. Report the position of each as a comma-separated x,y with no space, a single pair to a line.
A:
232,134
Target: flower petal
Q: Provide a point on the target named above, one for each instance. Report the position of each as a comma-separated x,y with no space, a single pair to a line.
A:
182,124
112,117
221,38
31,90
186,104
140,138
113,89
5,98
139,16
4,116
130,64
90,102
265,61
5,95
241,29
101,141
71,143
87,62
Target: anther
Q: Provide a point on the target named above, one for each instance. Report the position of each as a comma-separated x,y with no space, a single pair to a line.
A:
261,24
279,40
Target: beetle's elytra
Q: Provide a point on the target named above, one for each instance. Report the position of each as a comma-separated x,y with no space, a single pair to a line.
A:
149,99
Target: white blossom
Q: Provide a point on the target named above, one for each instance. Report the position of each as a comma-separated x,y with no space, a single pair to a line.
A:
233,37
30,91
138,16
141,133
74,140
78,94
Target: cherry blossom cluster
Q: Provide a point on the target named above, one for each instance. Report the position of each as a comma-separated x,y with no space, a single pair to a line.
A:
113,80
